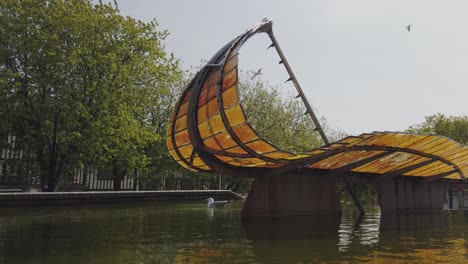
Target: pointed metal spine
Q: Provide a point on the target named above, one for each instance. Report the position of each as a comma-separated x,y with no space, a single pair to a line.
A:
296,84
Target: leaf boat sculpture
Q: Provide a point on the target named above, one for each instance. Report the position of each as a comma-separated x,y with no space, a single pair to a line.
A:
208,131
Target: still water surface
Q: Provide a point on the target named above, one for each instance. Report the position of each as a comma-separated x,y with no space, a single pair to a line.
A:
188,232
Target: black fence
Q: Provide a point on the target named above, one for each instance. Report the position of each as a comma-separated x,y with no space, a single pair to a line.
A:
20,175
18,171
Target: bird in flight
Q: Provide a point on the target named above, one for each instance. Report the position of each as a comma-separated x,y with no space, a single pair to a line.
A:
259,72
408,27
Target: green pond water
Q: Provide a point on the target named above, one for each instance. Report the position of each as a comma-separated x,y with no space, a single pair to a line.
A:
189,232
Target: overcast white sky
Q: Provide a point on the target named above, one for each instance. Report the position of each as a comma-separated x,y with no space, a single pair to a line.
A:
355,60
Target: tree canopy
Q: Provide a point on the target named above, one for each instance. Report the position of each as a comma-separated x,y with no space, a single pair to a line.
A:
280,118
454,127
83,84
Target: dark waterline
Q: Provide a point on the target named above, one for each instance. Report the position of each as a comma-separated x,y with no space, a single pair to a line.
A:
190,232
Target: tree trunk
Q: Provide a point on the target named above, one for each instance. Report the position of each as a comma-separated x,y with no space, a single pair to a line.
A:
117,186
118,174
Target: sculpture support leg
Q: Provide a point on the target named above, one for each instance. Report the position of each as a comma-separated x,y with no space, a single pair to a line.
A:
292,194
410,196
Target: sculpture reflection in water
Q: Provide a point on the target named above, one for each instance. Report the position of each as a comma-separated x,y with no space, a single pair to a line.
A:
324,238
359,230
293,239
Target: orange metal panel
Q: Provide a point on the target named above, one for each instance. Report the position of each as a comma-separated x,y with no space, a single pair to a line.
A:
255,165
208,94
424,139
412,160
260,146
224,158
442,147
197,162
345,159
388,139
435,170
207,110
299,156
171,118
461,153
445,152
213,77
230,97
387,163
220,141
174,155
183,109
460,161
434,164
397,160
235,115
216,125
351,139
182,138
362,141
253,161
431,144
330,161
186,151
185,166
356,156
453,176
413,141
230,64
334,146
249,161
236,150
204,130
210,127
415,160
188,94
230,78
312,152
375,140
463,160
245,133
169,129
235,162
278,155
455,152
181,124
431,169
234,51
169,143
401,139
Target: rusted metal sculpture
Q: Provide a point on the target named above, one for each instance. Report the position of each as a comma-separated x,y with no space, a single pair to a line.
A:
208,131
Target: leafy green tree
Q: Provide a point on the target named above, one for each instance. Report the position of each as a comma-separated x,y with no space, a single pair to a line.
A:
280,118
454,127
83,84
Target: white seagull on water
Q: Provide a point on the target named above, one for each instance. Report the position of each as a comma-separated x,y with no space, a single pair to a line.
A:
212,203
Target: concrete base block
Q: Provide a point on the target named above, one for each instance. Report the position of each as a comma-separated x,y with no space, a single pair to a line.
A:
292,194
404,195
